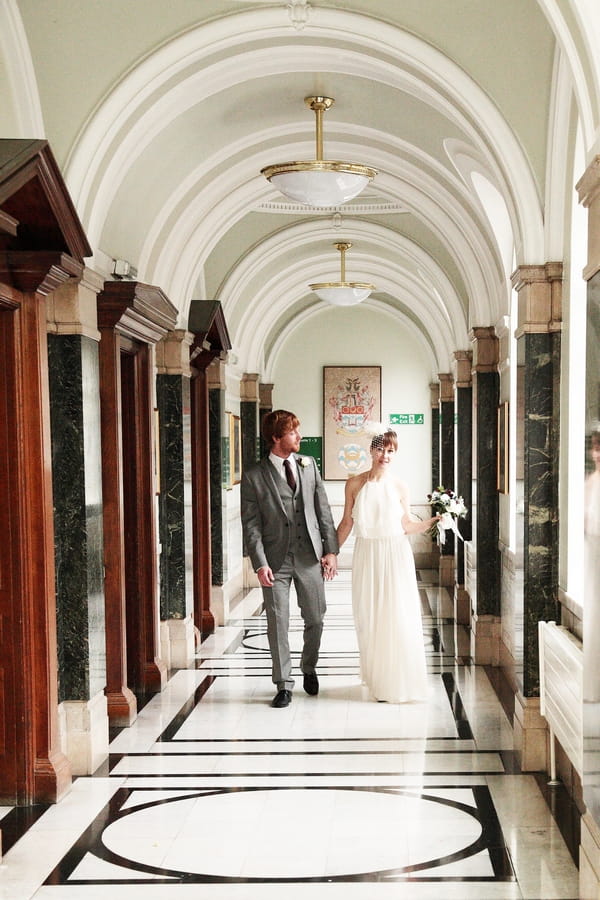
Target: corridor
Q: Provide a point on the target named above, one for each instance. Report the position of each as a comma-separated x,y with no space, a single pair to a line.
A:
213,794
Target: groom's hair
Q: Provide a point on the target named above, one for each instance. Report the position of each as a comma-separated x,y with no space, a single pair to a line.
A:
277,423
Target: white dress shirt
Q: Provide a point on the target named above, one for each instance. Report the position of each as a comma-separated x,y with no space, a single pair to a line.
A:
278,462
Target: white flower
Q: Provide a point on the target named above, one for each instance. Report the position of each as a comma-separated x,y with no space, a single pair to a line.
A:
304,461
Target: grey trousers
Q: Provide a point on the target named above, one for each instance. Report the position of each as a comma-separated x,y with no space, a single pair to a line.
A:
301,569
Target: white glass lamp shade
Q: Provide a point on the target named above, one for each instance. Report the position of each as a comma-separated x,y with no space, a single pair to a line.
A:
319,183
342,293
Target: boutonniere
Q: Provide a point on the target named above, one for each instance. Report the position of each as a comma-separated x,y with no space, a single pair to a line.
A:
304,461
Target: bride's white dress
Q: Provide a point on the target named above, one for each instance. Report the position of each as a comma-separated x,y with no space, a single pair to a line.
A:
385,598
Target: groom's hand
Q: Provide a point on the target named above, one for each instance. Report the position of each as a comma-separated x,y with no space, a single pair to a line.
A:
265,576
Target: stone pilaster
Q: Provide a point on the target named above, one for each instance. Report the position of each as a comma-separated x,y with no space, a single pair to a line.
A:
175,498
436,472
463,398
486,602
219,463
250,418
77,495
266,406
447,562
538,337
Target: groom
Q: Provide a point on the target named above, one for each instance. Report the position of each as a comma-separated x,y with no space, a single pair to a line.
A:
289,536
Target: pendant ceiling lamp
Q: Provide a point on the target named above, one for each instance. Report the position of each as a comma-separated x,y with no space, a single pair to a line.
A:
319,182
342,292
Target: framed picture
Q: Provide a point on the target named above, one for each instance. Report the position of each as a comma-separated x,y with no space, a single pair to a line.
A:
502,478
351,397
235,450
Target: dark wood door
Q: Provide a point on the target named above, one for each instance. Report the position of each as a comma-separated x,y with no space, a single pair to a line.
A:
145,671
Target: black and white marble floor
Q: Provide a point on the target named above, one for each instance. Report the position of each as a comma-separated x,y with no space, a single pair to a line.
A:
211,793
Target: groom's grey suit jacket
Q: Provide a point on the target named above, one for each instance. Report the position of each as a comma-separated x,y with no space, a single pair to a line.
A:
265,523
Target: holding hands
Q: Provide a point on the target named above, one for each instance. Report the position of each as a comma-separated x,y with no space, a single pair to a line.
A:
329,566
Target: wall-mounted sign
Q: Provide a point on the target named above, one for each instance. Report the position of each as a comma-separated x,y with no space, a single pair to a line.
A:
407,419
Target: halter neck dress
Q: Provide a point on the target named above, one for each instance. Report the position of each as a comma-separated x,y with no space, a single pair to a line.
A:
385,598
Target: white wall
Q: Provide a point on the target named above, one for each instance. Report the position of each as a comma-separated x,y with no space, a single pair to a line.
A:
355,336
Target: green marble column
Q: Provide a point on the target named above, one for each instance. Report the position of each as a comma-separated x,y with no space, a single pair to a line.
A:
219,466
486,392
464,451
447,448
539,348
173,402
436,472
77,493
250,419
266,406
173,434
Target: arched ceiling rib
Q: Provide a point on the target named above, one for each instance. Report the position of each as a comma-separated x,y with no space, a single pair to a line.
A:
165,168
126,122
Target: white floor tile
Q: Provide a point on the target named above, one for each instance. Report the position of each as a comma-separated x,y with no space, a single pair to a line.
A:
333,787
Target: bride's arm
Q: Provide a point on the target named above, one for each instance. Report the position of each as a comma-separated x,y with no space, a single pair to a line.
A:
408,523
346,522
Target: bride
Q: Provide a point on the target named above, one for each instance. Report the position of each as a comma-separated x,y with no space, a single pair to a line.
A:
385,597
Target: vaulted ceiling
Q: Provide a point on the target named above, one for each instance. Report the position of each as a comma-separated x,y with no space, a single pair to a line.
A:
162,116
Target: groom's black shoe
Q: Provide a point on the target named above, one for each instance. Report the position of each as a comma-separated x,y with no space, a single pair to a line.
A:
311,683
281,699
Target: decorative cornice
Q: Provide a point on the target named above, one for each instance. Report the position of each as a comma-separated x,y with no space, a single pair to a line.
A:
38,272
372,208
140,311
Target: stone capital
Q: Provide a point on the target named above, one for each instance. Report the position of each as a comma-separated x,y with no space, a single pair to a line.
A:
72,307
540,298
173,353
485,349
216,374
434,394
463,360
588,188
446,387
266,395
250,387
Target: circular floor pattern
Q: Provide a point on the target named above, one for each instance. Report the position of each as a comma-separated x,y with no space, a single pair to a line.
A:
293,833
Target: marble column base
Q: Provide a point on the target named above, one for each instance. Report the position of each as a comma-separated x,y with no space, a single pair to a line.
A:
122,707
589,859
485,640
222,597
83,728
462,606
446,571
177,642
530,733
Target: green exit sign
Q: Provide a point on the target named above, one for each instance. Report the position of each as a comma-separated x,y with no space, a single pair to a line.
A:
407,419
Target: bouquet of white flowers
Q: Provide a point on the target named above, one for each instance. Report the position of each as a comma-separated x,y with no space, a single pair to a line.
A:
445,503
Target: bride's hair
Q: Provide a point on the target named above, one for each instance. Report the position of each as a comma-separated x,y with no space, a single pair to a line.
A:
388,439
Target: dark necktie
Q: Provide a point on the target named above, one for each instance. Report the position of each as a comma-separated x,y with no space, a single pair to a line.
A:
289,475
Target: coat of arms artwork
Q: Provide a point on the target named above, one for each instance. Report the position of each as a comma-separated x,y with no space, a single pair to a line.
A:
351,398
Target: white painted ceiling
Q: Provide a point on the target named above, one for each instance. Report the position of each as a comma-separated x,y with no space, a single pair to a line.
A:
161,116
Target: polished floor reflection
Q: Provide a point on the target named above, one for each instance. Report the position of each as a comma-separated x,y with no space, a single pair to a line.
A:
214,794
